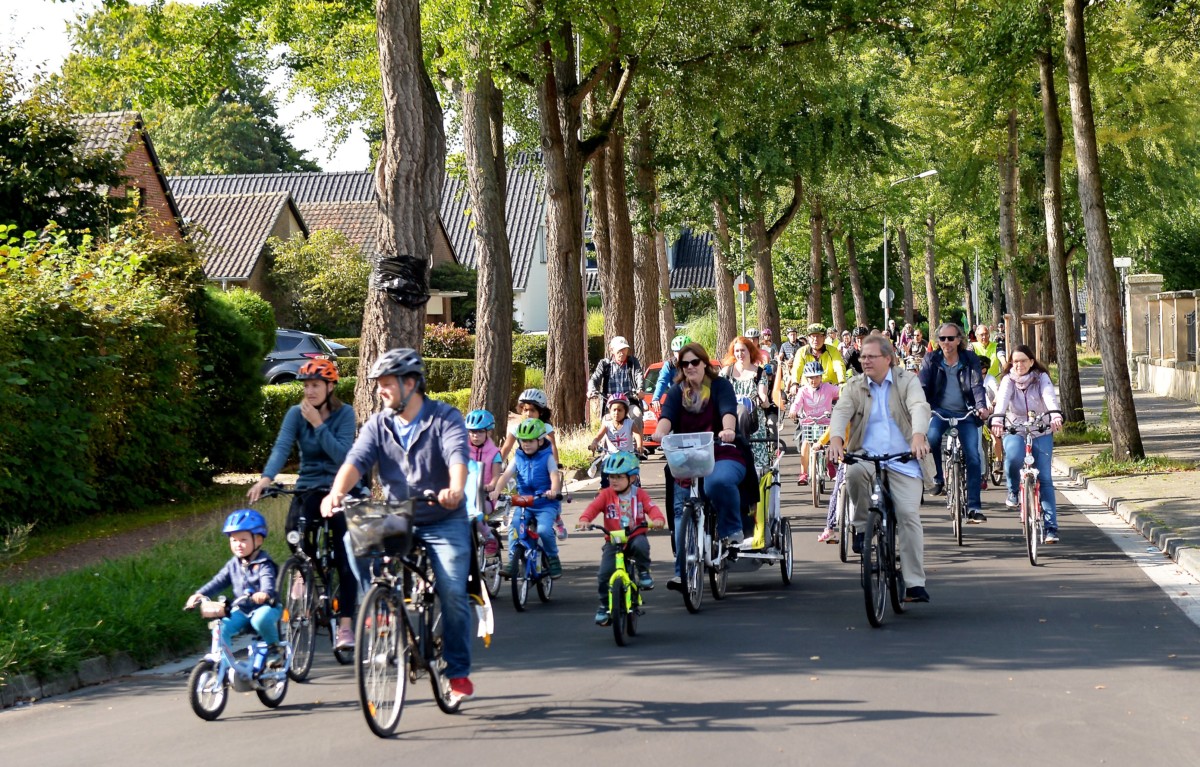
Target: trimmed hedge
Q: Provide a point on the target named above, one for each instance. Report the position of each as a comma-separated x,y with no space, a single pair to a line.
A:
459,398
530,349
351,345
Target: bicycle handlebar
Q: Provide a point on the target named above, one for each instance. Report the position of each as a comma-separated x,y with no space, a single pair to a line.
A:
1035,423
525,501
878,459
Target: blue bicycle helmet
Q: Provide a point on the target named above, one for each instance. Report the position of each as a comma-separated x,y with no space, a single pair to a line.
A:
623,462
247,520
480,420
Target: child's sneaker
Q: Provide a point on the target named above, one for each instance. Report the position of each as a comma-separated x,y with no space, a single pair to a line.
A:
560,529
554,566
645,581
602,615
491,546
345,639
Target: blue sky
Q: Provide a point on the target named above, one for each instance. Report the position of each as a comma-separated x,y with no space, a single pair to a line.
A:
36,31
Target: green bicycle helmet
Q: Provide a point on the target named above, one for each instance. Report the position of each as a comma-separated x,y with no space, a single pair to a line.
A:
816,328
623,462
678,342
531,428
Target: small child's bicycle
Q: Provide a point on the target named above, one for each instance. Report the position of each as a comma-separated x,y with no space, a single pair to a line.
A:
530,564
624,594
220,669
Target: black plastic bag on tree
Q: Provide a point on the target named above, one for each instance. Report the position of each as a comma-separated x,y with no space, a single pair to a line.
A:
403,279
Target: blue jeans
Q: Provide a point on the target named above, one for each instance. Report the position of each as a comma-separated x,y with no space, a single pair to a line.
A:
721,488
968,434
1014,458
448,542
264,620
545,530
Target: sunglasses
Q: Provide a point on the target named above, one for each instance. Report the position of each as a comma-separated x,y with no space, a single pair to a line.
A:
690,363
947,338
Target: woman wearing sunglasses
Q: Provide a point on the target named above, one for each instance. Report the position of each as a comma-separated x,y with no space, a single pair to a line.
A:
701,401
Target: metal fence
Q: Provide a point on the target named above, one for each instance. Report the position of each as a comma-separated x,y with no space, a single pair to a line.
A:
1190,354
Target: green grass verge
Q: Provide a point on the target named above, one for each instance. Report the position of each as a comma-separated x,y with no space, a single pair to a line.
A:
133,604
573,444
1103,465
1081,434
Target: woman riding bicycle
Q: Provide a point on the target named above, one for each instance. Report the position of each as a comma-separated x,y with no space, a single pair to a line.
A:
702,401
323,427
1025,387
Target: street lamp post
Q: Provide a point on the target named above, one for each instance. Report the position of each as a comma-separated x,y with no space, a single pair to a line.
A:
886,298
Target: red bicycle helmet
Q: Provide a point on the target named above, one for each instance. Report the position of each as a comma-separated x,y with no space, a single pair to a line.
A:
313,370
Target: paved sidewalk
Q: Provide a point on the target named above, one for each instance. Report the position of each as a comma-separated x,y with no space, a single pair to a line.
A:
1162,507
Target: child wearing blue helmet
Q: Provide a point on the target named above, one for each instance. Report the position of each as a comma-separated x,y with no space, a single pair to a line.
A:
484,467
250,573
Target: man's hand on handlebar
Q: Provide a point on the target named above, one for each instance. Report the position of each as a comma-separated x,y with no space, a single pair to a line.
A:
450,498
919,446
835,451
331,502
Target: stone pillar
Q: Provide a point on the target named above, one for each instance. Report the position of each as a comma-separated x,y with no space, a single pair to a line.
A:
1138,289
1185,304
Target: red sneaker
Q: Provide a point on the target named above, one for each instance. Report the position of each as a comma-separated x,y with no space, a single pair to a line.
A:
461,689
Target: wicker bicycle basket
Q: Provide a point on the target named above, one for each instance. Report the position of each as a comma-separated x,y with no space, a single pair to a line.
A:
380,528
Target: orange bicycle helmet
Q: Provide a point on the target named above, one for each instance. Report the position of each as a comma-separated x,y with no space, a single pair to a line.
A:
312,370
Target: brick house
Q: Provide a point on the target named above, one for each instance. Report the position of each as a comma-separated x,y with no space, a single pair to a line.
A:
123,135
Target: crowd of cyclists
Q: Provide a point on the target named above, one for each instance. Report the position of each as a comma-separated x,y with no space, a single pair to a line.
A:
867,390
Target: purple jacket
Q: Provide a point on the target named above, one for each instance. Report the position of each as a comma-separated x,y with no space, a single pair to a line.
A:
1038,398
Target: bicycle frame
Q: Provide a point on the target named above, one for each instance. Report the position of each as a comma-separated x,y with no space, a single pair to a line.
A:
881,516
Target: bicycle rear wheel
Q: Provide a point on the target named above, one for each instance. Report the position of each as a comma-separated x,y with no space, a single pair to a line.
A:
297,622
334,609
635,610
845,530
692,573
273,690
616,610
381,659
520,580
874,579
492,570
1030,514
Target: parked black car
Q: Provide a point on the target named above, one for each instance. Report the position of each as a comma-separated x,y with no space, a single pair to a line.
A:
292,349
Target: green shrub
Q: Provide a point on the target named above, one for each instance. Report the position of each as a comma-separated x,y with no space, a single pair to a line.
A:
530,350
534,379
229,384
447,342
320,282
347,366
459,398
257,311
351,344
703,330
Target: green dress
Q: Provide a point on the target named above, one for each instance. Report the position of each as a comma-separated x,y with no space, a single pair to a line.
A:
761,450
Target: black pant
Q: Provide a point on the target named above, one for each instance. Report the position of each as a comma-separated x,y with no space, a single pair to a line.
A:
307,506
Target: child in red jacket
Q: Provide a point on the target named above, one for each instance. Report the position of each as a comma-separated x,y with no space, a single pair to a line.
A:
624,506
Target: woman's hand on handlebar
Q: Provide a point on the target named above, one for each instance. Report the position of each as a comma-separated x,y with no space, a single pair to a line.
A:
727,435
256,490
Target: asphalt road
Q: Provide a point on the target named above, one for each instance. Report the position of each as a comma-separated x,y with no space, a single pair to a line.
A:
1080,661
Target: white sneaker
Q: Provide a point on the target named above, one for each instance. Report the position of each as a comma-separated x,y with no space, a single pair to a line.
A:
735,539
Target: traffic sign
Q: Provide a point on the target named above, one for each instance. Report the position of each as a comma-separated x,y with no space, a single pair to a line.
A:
745,283
1123,263
887,296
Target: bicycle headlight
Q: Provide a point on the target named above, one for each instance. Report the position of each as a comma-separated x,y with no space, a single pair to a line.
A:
293,537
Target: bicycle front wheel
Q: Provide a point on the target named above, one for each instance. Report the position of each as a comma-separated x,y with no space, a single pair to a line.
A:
520,580
954,498
895,579
297,622
617,610
874,579
692,573
845,530
785,551
207,691
434,656
1030,513
381,660
814,472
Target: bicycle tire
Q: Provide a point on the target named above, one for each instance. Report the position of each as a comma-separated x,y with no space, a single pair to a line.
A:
616,611
634,613
845,529
434,657
520,581
954,497
545,584
997,471
874,579
692,572
333,586
273,692
718,579
297,622
814,484
206,691
1029,514
895,579
381,660
785,551
492,572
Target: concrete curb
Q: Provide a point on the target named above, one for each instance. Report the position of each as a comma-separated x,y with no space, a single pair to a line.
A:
28,688
1163,537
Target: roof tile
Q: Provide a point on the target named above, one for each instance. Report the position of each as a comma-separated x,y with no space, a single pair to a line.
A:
231,230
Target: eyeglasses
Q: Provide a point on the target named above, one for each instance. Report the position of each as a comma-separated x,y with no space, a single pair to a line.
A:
947,338
871,357
690,363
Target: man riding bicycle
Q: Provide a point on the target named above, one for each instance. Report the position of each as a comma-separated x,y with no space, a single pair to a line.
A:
621,374
886,412
829,357
420,445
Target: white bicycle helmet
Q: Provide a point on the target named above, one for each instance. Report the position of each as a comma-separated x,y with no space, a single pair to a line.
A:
536,396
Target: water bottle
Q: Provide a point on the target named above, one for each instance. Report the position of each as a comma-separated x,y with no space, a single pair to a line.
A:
259,655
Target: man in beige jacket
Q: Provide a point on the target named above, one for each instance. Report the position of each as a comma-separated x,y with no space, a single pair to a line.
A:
886,412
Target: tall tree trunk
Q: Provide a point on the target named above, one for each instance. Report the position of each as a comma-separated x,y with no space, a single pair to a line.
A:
723,283
816,224
647,338
606,266
559,125
665,303
764,239
906,275
1126,437
931,294
408,179
997,298
1069,395
856,287
491,378
1007,164
620,229
837,300
968,296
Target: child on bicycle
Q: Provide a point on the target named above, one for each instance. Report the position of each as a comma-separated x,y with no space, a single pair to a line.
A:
536,472
533,403
483,460
616,431
249,573
813,404
623,506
